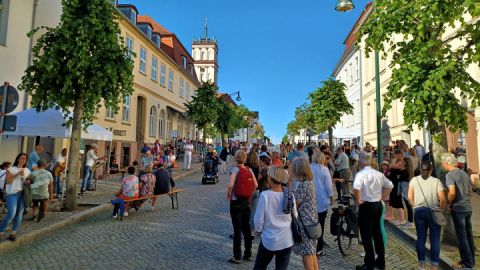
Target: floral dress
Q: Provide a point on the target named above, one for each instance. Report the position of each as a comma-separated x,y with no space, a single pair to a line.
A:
304,193
148,181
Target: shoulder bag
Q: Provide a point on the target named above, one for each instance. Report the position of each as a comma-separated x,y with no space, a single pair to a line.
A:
288,207
437,213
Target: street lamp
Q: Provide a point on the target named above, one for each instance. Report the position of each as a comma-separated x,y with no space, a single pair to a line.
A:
238,98
344,5
347,5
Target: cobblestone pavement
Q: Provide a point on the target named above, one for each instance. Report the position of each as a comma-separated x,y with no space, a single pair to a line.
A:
194,237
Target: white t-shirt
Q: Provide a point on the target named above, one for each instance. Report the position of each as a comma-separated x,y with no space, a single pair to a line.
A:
430,188
188,148
91,158
270,220
17,184
371,184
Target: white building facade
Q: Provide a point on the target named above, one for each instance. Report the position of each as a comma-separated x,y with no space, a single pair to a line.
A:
205,55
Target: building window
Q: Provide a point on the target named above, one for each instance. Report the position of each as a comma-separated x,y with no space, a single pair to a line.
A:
133,16
170,80
129,43
357,68
180,92
126,110
4,5
202,55
152,128
184,62
109,114
161,125
169,125
163,69
143,60
154,68
187,91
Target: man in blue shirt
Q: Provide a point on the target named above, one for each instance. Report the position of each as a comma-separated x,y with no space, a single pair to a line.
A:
34,157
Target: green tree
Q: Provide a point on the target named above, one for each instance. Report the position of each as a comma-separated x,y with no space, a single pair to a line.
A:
203,108
225,120
433,44
285,139
327,106
79,65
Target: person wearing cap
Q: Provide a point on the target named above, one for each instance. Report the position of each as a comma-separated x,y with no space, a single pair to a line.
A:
41,189
273,224
370,188
460,204
426,192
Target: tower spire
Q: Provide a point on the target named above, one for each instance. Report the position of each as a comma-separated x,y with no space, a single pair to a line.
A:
206,28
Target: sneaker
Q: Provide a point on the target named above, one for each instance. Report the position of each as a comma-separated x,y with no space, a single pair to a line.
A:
249,258
321,252
362,254
114,216
460,266
125,214
152,208
409,225
398,223
234,261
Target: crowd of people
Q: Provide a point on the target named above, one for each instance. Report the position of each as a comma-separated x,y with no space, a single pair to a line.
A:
285,196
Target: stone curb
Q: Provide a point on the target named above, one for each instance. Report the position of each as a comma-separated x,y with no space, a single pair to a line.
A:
80,216
410,238
31,236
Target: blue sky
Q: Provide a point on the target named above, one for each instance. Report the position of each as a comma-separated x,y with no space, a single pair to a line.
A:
274,51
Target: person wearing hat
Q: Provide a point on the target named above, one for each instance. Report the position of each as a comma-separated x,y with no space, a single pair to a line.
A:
273,224
426,192
370,188
41,189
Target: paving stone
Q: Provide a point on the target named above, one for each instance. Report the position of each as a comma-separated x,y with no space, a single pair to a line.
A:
194,237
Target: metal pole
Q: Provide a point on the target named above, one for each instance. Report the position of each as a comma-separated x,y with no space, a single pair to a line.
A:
379,108
4,104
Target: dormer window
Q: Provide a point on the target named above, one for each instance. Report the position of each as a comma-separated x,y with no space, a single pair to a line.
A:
146,29
156,39
184,62
129,11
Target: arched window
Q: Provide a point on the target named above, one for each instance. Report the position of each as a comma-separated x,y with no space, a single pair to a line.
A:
152,123
202,56
169,125
161,125
180,127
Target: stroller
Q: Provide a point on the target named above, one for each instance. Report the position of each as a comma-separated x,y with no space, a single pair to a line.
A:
210,171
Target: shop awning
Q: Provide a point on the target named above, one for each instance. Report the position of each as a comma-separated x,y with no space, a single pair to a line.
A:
51,123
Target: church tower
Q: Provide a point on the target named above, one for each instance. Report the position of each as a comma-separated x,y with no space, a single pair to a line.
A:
205,56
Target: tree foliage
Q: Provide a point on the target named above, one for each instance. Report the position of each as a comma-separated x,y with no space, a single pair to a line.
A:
80,59
430,61
203,108
225,119
328,104
79,65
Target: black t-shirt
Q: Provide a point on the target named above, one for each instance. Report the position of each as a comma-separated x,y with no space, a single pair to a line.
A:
163,181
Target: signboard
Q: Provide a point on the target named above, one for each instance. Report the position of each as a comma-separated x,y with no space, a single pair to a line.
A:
174,133
11,98
10,123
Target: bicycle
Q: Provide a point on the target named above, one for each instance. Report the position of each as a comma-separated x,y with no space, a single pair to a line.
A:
343,226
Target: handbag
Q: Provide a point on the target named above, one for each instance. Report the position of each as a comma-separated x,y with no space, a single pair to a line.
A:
288,208
437,213
313,231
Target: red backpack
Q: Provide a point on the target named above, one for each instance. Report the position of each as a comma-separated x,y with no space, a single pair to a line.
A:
244,186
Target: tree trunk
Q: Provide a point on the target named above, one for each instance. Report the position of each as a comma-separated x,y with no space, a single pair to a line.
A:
73,155
222,137
440,146
330,138
205,135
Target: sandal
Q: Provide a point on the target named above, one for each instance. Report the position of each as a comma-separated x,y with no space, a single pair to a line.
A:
12,238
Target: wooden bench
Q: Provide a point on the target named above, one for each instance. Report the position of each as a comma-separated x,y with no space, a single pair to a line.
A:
173,194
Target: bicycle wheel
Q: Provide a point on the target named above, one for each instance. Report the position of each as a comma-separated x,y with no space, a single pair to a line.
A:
344,238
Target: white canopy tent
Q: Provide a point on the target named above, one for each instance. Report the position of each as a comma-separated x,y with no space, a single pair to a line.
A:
51,123
341,133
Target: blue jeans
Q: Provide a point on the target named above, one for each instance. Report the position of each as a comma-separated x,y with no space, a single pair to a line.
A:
57,184
466,245
15,207
424,224
265,256
87,177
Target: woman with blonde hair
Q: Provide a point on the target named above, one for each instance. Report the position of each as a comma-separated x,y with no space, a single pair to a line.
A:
324,192
304,192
